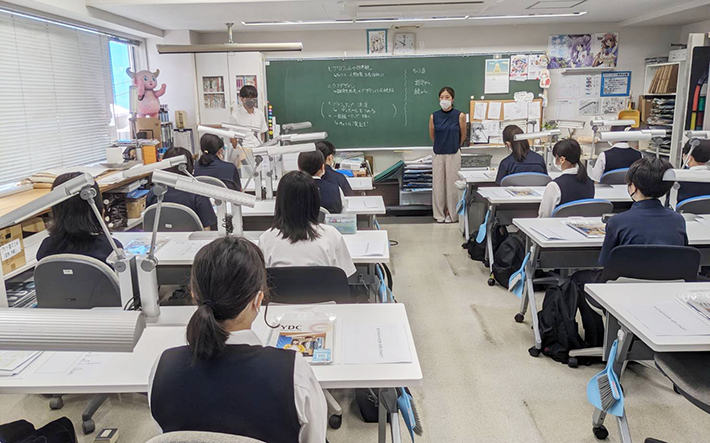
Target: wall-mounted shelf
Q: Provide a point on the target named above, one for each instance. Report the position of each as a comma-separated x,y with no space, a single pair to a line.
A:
586,71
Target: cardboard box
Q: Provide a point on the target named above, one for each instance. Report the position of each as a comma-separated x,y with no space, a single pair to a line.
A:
33,225
12,250
135,207
151,128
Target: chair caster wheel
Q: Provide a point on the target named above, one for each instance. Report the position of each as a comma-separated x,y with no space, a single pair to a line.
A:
491,281
88,426
572,362
534,352
600,432
335,421
56,403
519,318
486,263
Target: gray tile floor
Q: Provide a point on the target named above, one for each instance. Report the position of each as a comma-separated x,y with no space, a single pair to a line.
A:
480,384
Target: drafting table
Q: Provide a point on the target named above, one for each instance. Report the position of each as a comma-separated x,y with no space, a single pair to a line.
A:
576,251
358,184
55,372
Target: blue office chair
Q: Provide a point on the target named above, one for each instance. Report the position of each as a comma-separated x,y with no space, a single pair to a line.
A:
614,177
695,205
526,179
174,217
589,207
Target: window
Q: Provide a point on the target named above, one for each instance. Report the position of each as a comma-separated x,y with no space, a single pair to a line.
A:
55,96
122,58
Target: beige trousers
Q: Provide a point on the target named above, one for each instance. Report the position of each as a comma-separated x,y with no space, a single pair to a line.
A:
444,192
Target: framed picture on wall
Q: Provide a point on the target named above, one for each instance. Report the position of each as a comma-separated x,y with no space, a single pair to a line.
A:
377,41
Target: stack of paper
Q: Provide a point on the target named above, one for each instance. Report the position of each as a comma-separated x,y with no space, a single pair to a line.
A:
361,203
375,343
362,248
670,318
14,362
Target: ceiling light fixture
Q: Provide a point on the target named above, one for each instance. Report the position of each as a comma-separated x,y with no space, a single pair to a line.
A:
508,17
230,46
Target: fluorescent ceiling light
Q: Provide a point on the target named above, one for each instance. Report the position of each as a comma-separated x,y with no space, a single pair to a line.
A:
508,17
556,4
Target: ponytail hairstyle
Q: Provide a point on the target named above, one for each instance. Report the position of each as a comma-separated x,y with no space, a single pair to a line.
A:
227,275
176,152
572,152
210,145
521,147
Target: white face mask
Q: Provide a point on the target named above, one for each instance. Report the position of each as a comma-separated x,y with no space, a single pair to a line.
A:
556,166
445,104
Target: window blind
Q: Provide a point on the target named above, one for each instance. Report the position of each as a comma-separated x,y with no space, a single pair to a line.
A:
55,97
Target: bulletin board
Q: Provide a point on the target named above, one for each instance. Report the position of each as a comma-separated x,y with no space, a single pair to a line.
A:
514,111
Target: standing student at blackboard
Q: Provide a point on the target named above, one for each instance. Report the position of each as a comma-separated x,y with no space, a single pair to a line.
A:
447,129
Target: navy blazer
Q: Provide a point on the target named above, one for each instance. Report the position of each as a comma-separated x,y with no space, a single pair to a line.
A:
198,203
220,169
339,179
99,248
330,196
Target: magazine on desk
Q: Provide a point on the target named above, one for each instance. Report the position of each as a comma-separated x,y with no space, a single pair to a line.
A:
522,192
589,229
310,333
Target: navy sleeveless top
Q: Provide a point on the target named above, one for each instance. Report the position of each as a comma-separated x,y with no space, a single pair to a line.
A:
618,158
572,189
447,132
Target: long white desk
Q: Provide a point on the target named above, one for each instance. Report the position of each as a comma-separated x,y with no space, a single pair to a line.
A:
358,184
576,251
614,298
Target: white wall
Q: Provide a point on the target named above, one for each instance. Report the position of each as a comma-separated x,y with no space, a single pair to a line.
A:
700,27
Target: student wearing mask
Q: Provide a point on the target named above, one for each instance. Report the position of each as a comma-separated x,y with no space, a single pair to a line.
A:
447,129
296,238
573,184
249,116
331,196
212,164
521,158
198,203
328,150
698,159
621,155
225,380
74,228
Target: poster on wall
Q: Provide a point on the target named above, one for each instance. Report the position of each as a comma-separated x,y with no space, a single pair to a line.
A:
616,84
497,76
613,105
591,85
583,50
590,106
536,63
377,41
519,68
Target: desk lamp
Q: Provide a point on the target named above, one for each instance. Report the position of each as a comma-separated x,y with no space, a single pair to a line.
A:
690,175
570,125
552,134
598,124
288,127
231,131
147,277
136,171
522,123
65,329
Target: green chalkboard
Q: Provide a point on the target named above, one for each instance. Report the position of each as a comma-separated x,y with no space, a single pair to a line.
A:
376,102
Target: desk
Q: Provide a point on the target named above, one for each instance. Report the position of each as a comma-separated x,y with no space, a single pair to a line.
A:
576,252
505,207
614,297
359,184
130,372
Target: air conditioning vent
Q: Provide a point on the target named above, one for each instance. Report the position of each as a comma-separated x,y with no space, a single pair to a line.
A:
420,8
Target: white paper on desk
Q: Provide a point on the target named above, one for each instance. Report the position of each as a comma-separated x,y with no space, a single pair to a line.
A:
184,248
364,248
479,110
669,318
59,363
89,365
499,192
494,110
13,362
361,203
555,233
375,343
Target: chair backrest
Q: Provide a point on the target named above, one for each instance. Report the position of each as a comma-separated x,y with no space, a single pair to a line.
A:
526,179
322,213
652,262
308,284
211,181
76,281
695,205
173,218
201,437
614,177
590,207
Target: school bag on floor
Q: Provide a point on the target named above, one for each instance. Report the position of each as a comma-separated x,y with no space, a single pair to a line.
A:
507,259
476,245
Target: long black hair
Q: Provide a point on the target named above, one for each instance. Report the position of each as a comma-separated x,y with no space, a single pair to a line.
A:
176,152
297,207
572,152
227,275
448,89
210,145
74,225
520,148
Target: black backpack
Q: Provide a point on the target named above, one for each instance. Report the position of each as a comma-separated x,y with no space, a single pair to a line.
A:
477,251
507,259
559,330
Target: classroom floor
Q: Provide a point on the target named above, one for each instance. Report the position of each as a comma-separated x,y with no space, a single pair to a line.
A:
480,384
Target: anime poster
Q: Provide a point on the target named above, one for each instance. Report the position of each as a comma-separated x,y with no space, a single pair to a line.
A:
606,50
571,51
537,62
519,67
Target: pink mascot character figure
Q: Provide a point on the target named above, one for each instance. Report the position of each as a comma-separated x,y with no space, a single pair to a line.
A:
148,97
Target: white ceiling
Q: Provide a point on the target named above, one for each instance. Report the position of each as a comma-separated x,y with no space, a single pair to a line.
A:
210,16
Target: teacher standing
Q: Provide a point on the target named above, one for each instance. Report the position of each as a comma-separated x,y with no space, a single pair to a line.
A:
447,129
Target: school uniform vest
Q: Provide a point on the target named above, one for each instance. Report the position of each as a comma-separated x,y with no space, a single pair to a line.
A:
617,158
572,189
330,196
689,190
247,390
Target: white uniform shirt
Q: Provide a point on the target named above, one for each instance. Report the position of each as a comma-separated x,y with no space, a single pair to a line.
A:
552,196
327,250
256,122
311,407
600,164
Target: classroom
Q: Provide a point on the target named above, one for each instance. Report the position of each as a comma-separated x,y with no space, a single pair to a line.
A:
261,221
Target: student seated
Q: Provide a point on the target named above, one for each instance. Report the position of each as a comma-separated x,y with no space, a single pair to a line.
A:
328,150
331,197
211,162
74,228
225,380
573,184
521,159
198,203
621,155
698,160
296,238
